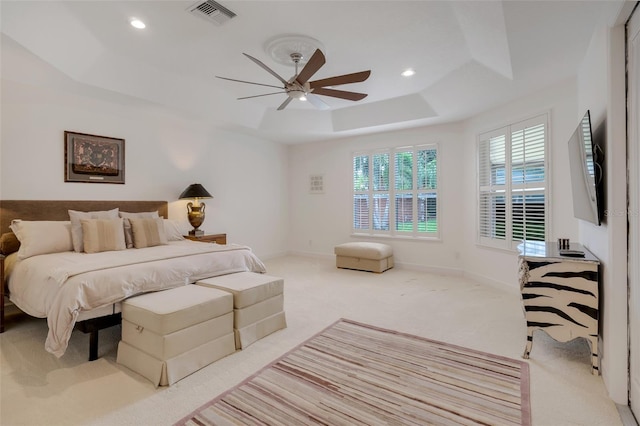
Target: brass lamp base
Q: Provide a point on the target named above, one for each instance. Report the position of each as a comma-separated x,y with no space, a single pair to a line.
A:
195,214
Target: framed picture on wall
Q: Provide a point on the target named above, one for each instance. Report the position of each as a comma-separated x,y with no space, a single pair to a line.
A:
93,159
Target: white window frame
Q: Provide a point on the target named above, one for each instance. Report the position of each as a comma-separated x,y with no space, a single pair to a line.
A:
509,189
392,232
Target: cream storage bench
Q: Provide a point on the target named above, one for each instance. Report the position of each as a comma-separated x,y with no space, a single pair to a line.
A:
364,256
170,334
258,304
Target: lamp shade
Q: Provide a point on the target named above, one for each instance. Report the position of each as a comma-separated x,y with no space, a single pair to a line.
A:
195,190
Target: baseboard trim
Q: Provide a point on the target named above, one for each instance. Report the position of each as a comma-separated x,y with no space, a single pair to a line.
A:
626,415
440,270
404,265
310,254
273,255
490,281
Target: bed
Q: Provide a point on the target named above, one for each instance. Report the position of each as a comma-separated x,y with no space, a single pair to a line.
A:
83,289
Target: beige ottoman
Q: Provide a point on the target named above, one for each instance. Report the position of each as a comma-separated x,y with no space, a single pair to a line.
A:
258,304
364,256
170,334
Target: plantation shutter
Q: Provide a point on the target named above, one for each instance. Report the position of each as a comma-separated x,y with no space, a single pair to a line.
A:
403,174
395,192
512,184
361,210
427,190
528,181
492,169
380,217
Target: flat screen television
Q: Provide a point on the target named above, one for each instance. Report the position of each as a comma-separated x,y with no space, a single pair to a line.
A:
585,163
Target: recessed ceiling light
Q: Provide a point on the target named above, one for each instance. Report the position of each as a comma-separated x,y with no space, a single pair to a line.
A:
408,72
136,23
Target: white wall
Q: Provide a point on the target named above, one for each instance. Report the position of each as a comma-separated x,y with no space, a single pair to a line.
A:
601,90
560,101
320,221
165,152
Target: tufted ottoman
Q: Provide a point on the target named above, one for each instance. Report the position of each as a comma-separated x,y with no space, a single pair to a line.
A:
167,335
258,304
364,256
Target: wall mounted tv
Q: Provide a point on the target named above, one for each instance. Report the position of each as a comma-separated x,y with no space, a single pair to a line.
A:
585,163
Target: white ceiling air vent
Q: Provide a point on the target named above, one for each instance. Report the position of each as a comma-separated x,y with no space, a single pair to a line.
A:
211,11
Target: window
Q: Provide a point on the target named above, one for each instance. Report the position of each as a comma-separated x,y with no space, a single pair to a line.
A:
395,192
512,184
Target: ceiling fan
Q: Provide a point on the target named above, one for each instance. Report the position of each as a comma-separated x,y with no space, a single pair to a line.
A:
298,86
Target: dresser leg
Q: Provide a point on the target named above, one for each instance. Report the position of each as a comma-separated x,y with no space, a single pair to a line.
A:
527,349
595,359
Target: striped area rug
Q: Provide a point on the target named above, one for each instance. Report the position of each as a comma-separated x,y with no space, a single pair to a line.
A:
356,374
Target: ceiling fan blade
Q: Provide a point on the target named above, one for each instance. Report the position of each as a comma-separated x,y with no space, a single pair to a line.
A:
316,101
257,96
356,77
284,104
249,82
266,68
316,61
351,96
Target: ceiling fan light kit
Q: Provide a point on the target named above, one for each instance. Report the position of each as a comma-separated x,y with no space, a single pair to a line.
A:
299,87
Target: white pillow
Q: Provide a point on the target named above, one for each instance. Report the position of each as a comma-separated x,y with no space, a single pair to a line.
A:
100,235
42,237
148,232
172,230
128,238
76,226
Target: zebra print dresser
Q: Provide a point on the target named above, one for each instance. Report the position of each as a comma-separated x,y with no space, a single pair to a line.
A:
560,294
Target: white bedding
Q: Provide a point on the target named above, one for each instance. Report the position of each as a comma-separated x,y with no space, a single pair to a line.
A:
60,286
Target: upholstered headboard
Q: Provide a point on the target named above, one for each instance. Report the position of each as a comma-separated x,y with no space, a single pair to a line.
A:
58,210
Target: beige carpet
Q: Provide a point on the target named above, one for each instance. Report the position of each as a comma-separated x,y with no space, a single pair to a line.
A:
39,389
355,374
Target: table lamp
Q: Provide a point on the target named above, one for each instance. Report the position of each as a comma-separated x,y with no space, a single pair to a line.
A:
195,210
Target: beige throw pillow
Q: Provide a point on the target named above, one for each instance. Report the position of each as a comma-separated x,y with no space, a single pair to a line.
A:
148,232
76,226
128,237
42,237
100,235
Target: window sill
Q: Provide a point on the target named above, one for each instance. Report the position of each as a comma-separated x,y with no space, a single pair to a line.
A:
397,237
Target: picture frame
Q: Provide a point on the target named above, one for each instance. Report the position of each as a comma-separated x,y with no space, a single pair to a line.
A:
93,159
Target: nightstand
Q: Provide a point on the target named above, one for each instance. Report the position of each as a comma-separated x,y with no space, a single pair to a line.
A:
209,238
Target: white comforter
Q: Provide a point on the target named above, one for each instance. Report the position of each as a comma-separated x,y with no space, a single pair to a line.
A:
61,285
